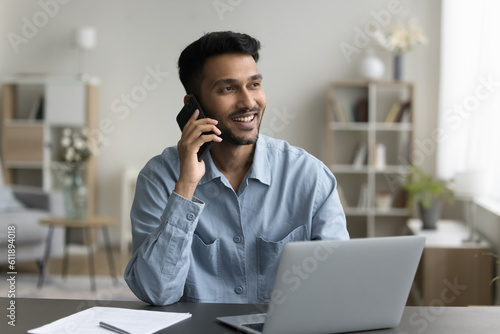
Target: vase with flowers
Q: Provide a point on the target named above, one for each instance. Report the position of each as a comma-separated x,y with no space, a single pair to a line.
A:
76,150
400,39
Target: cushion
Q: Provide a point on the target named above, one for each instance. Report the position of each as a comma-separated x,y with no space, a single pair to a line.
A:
8,202
28,227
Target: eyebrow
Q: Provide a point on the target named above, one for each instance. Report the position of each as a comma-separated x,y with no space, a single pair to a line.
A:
232,81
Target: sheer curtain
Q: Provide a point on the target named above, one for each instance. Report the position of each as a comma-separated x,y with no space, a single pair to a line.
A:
469,110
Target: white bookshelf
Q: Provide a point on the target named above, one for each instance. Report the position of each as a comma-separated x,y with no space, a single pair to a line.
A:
30,140
367,148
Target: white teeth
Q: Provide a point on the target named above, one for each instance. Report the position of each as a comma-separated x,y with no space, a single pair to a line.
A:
244,119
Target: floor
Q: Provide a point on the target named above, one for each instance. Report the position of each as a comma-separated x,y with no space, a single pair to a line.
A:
76,285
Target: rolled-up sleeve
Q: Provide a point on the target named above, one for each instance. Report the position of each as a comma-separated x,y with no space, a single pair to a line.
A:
329,221
162,230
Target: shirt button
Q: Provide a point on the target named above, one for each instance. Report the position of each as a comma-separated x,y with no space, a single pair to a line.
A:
237,239
191,216
238,290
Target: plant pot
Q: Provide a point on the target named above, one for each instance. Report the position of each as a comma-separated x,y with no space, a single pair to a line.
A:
430,215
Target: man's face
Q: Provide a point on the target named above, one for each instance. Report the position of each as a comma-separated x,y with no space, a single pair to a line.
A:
231,92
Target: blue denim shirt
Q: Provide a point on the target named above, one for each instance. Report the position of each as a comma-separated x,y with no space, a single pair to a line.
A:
224,247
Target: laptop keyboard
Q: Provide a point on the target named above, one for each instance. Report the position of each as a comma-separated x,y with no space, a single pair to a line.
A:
258,326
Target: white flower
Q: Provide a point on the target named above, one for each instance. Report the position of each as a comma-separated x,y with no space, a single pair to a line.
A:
401,38
77,147
65,141
79,144
70,153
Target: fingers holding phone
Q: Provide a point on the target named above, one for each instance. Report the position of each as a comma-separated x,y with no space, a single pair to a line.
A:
198,134
186,116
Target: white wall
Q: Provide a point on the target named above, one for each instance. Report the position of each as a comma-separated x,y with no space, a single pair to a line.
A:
300,55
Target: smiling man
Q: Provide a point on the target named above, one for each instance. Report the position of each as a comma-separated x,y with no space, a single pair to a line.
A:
213,230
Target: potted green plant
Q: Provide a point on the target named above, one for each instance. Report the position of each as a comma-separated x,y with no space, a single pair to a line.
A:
428,194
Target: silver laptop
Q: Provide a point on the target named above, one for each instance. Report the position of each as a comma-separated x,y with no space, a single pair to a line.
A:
338,286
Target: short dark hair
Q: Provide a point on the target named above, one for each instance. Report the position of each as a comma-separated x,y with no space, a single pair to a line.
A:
192,59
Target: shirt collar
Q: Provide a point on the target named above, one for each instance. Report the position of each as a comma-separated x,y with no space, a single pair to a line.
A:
260,170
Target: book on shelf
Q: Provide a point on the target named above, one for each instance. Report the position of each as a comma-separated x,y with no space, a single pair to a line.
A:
363,201
345,109
405,117
360,156
340,113
361,111
391,116
399,113
37,109
405,108
332,105
337,115
343,112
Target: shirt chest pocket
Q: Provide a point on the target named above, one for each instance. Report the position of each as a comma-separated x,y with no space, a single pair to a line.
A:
268,254
204,269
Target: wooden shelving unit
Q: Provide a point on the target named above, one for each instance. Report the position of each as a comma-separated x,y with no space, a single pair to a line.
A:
30,139
369,135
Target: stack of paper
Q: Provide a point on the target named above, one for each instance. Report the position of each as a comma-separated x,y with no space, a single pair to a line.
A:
132,321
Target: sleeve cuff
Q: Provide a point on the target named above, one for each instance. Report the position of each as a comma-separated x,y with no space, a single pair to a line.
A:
182,213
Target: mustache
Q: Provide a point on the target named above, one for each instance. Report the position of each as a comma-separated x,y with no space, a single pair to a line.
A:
243,111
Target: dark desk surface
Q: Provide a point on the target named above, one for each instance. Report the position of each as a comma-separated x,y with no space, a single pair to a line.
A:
33,313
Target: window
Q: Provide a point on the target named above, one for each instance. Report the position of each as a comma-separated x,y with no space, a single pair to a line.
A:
469,110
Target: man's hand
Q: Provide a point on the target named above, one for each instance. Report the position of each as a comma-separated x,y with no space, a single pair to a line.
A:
188,146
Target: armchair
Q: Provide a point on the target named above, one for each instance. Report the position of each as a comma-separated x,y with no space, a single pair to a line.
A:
30,236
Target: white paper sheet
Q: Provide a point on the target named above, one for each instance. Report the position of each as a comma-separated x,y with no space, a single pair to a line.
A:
133,321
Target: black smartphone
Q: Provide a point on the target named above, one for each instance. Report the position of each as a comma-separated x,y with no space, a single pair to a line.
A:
184,116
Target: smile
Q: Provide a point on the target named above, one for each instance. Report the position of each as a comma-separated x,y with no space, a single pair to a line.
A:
246,119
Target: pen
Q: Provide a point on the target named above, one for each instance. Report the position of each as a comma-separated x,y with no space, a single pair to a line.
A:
112,328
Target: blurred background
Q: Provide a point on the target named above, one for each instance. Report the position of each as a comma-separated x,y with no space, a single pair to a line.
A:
129,51
301,53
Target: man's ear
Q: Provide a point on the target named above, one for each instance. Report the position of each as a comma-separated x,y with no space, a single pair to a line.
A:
186,98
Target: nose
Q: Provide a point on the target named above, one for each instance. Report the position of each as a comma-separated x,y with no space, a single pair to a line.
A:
245,100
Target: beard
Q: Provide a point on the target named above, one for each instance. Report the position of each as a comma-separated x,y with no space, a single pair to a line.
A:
229,137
